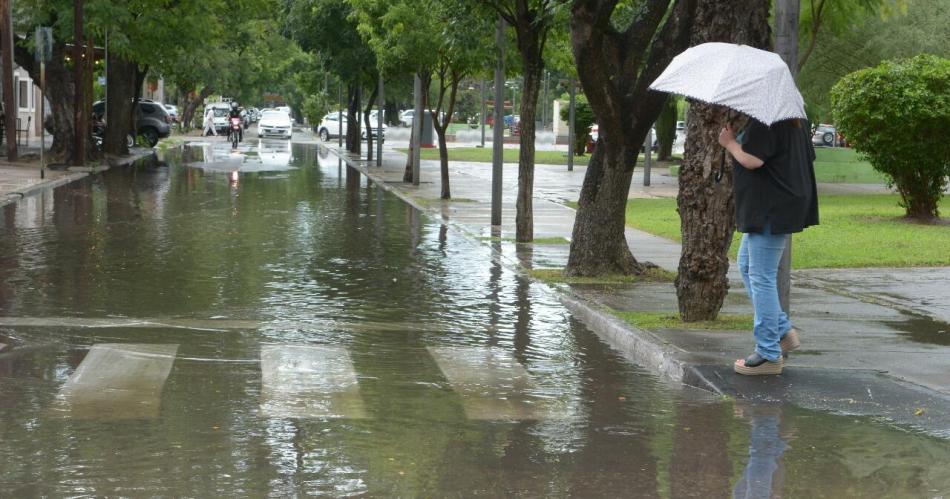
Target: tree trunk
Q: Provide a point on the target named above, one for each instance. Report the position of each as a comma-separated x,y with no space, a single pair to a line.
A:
444,162
666,130
599,224
59,93
706,206
533,68
188,114
426,80
615,70
407,174
353,120
369,129
119,111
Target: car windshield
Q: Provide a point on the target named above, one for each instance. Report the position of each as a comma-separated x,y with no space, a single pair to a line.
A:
218,112
274,115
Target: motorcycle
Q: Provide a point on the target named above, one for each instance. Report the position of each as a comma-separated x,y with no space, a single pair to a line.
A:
98,130
235,132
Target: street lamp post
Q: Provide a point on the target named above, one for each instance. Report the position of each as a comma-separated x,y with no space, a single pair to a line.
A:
484,111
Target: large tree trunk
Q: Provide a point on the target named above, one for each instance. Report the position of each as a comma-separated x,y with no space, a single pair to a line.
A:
705,204
369,129
666,130
119,111
188,114
59,93
353,120
615,70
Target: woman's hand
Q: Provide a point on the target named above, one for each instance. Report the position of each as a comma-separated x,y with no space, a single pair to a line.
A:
726,136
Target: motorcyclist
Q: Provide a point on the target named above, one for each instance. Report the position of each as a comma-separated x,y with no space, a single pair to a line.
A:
235,112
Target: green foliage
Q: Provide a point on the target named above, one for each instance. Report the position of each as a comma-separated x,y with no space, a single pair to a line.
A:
865,39
897,114
583,119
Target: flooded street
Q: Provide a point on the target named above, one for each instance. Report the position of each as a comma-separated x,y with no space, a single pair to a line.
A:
259,324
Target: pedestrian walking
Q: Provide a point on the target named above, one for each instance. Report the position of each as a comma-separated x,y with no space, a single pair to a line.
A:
209,121
773,173
775,193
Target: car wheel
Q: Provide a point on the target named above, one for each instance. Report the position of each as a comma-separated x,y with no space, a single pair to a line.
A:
151,136
828,138
324,135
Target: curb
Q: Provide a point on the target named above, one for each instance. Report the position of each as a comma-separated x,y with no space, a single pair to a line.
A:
13,197
75,173
637,345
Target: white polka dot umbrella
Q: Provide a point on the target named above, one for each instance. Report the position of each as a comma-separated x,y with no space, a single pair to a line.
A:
749,80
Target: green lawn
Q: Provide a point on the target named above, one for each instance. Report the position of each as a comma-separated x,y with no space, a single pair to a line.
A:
844,166
484,155
855,231
838,166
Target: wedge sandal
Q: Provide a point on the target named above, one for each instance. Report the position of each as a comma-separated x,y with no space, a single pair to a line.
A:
756,365
789,342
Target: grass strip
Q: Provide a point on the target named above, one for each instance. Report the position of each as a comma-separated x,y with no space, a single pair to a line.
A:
671,320
556,276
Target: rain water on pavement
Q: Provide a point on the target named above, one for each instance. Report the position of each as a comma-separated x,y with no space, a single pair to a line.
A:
244,324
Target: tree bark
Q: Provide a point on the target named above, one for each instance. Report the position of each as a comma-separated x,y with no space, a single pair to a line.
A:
59,93
369,129
706,206
615,70
188,114
119,111
531,26
353,120
426,80
442,126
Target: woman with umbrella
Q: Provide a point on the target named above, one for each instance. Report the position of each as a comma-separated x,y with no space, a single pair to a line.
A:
773,174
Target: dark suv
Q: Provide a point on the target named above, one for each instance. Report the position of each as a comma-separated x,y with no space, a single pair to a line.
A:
151,120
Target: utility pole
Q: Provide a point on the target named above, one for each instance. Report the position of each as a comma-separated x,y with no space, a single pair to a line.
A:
572,92
339,121
417,122
483,115
79,102
498,129
786,45
9,103
380,104
647,157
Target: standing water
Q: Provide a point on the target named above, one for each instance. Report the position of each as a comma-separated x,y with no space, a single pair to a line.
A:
246,324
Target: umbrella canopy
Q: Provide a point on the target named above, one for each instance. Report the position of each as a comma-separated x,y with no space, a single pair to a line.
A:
753,81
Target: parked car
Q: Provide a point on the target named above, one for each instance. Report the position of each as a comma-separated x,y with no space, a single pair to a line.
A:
275,124
330,126
151,120
172,111
405,117
594,133
826,135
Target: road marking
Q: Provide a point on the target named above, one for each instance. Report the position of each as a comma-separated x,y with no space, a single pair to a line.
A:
118,381
304,381
219,324
492,383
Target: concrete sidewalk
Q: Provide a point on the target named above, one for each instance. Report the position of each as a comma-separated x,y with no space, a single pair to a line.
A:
22,178
871,344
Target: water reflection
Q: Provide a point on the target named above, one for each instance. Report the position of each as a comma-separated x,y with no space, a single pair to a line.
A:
278,286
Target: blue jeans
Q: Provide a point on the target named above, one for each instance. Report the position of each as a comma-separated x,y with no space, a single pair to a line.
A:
759,256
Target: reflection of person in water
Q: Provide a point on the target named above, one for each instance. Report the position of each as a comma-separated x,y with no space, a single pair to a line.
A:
766,447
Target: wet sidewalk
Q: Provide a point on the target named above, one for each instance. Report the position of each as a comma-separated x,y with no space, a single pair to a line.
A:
22,178
874,340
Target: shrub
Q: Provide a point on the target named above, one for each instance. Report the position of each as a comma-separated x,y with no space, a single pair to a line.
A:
897,115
